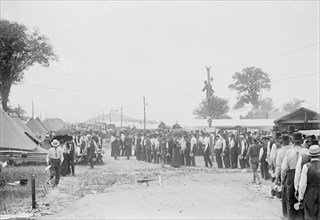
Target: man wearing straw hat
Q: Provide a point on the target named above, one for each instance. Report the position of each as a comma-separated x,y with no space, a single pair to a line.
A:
309,190
55,159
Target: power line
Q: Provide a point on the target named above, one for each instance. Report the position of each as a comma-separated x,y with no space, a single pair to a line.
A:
154,92
296,77
271,57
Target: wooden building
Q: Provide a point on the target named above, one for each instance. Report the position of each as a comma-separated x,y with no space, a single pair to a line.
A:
301,119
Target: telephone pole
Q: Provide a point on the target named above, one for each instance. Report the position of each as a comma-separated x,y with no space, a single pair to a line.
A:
209,94
144,113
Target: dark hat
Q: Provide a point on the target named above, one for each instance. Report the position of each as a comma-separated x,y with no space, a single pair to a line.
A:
278,135
232,135
264,138
314,150
311,137
312,142
275,128
258,138
296,137
285,138
291,129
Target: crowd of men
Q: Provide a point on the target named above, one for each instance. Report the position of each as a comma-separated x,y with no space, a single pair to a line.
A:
287,158
82,148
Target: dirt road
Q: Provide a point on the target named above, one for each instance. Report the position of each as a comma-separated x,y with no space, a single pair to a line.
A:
112,191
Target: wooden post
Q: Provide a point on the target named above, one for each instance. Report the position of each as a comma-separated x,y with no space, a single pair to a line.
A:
33,190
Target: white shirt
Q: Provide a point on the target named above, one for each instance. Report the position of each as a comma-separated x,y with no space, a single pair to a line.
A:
206,142
112,139
55,153
183,144
193,143
232,143
200,139
157,144
273,154
297,174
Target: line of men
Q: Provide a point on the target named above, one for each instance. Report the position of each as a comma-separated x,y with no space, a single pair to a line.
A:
162,147
295,166
227,149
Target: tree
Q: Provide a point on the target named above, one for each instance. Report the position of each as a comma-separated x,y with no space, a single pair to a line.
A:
265,106
218,108
19,50
293,105
249,84
18,110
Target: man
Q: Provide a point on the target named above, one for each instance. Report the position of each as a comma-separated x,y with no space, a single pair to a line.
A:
138,147
148,148
253,155
263,159
55,159
122,146
153,148
157,149
70,154
285,146
127,145
193,147
309,190
92,149
243,152
288,167
226,152
211,142
206,151
187,151
218,150
276,146
163,150
183,145
303,158
200,144
233,151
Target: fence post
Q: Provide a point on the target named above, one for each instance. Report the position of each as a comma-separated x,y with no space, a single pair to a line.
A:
33,190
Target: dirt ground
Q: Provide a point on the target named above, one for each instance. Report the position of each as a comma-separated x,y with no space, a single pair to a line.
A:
111,191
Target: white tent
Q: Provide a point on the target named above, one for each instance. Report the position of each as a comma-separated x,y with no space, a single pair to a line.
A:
202,124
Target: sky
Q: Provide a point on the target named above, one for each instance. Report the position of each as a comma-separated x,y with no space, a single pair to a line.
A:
112,54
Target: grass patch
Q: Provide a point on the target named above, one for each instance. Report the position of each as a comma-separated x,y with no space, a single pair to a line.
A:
15,196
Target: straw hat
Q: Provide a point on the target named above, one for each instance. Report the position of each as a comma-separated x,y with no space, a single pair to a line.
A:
55,143
314,150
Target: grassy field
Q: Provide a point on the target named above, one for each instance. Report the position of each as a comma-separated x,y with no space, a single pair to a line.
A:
14,196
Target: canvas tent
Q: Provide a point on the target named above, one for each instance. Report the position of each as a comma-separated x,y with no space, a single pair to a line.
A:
12,136
53,124
19,122
37,129
40,123
302,119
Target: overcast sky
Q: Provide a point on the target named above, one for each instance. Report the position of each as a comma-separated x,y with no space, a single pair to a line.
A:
114,53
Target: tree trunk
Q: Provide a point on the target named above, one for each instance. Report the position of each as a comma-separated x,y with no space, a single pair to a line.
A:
4,92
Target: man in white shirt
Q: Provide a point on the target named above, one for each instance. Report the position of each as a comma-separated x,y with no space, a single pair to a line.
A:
193,146
55,159
206,151
218,150
200,144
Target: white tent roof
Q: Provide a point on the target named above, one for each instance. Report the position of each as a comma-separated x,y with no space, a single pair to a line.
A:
262,124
